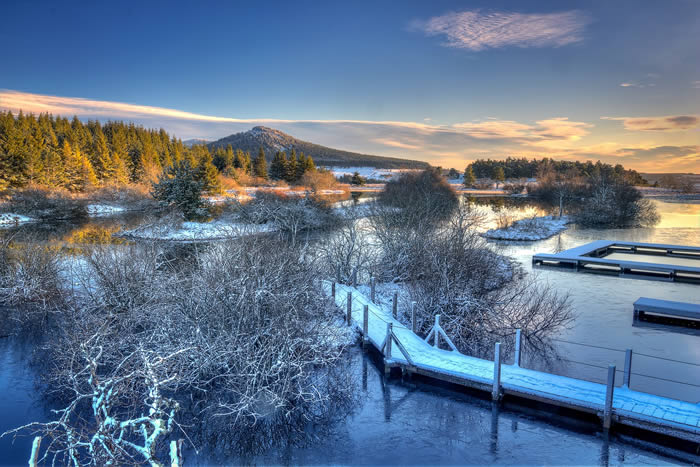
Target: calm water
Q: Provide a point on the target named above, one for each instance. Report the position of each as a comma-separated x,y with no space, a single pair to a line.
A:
415,423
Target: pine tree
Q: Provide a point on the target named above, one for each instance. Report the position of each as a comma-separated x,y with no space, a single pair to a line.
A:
278,166
301,167
207,174
469,178
180,186
260,165
498,175
357,179
291,167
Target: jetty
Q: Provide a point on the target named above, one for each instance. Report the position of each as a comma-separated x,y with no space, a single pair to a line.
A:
666,308
402,348
591,257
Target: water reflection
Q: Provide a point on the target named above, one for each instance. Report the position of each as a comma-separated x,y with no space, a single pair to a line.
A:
411,422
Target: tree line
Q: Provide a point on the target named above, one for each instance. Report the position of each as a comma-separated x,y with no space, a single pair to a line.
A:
512,167
58,152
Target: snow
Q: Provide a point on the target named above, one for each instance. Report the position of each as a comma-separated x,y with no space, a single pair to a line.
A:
197,231
368,172
531,229
10,219
97,210
579,393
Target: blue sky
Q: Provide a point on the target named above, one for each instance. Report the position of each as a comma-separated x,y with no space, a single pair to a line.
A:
444,82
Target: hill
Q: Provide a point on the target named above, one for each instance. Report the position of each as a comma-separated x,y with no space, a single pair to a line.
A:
191,142
274,140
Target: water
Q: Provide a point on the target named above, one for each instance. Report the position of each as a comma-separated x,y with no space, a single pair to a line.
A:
417,423
604,307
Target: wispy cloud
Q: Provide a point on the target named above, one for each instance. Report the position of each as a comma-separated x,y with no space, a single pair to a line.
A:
648,81
560,128
665,123
474,30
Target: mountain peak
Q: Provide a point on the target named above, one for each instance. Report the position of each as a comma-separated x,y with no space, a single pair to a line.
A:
273,140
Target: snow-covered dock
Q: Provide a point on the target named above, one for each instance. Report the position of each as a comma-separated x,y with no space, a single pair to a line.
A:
408,351
667,308
591,257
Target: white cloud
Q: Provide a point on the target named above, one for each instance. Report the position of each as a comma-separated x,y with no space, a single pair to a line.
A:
474,30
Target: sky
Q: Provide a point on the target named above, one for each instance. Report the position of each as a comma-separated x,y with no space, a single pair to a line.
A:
441,81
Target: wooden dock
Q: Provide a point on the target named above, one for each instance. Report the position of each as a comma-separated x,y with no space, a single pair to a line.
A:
666,308
591,257
403,348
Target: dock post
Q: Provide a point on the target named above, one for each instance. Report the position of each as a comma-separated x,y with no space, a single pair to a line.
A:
365,327
437,334
413,317
395,305
628,369
354,277
337,273
387,347
333,290
373,286
518,347
607,411
349,310
496,391
34,459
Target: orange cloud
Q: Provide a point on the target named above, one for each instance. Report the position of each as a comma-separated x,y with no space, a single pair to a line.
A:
666,123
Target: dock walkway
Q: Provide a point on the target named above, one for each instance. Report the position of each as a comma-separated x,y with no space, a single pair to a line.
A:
413,354
591,258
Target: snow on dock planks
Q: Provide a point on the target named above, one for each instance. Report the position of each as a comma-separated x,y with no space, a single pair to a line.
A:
591,257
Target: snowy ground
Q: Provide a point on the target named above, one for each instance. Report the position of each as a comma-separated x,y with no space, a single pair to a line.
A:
8,219
196,231
98,210
368,172
535,228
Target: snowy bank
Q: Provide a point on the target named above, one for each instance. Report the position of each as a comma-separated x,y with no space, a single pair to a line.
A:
535,228
97,210
196,231
8,219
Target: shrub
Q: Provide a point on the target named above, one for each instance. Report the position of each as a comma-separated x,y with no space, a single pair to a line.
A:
423,195
318,180
47,203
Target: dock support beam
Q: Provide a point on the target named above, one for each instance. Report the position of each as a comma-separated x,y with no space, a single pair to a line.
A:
395,305
373,289
496,391
387,347
365,327
628,369
518,348
354,277
349,309
607,411
413,317
333,290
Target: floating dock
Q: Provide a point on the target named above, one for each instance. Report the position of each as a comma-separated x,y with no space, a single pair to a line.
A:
666,308
403,348
591,257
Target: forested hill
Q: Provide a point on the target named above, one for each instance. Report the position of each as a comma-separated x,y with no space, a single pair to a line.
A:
513,167
273,140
